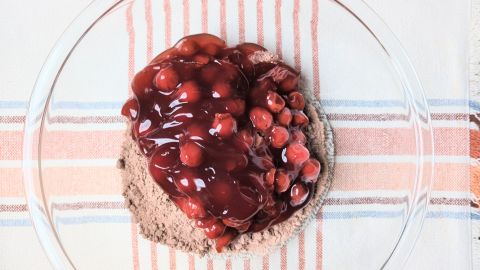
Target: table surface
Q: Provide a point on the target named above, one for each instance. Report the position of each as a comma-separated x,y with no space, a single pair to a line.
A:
435,37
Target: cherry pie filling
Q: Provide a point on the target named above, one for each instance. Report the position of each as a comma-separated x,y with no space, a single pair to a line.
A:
224,136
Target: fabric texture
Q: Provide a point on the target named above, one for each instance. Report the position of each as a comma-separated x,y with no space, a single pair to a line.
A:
437,47
475,130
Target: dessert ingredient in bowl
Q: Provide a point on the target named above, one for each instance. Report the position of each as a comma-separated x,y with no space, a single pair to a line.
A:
214,127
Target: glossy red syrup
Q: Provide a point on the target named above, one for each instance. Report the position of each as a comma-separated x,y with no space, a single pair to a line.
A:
224,136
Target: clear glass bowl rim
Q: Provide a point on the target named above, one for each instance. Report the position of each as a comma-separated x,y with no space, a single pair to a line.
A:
45,84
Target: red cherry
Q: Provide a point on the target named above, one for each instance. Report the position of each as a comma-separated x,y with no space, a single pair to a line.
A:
259,93
201,59
211,49
275,102
235,162
186,47
289,83
207,39
282,181
162,179
284,118
165,55
261,118
191,154
250,48
266,84
166,79
225,239
285,76
296,101
311,170
165,182
300,119
142,82
224,125
270,177
188,92
130,109
185,181
205,222
214,231
246,136
223,191
298,194
229,71
279,136
181,203
236,106
244,139
221,90
209,73
298,136
164,158
198,131
187,71
297,154
192,207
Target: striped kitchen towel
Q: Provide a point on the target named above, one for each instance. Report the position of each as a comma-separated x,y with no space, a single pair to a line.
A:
369,186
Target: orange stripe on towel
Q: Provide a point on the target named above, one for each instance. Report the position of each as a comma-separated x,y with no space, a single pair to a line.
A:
475,169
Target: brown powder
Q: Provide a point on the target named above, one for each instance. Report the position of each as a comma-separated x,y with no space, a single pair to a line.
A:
161,221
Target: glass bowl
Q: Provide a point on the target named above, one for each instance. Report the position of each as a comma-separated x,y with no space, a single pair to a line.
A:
348,57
